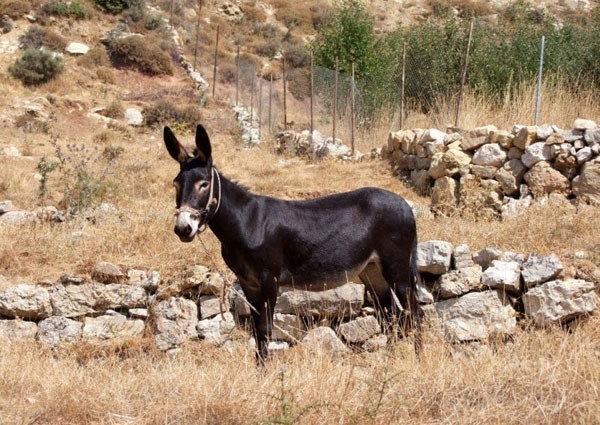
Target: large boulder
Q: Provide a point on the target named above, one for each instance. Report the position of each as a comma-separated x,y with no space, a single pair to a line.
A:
560,301
26,301
343,301
174,322
474,316
434,257
586,185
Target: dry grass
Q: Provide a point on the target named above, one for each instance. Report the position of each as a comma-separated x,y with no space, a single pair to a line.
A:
540,377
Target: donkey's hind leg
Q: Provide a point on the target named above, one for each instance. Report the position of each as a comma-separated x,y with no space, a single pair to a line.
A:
381,293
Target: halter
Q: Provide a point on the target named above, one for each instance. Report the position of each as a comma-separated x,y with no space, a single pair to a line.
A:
202,216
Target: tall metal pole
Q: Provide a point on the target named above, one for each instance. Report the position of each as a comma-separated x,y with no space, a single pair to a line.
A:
352,100
335,95
215,64
312,87
237,76
271,103
402,86
284,92
197,33
252,98
538,101
464,75
260,95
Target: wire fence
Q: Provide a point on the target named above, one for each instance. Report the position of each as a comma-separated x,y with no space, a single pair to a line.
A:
339,106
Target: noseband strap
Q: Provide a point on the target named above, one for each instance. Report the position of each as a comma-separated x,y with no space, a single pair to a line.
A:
203,215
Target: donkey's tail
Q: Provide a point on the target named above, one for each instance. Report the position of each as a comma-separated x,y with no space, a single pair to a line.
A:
416,312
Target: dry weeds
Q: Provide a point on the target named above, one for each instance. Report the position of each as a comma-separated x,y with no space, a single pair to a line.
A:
540,377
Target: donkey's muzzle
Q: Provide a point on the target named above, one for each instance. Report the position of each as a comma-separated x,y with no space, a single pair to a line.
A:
186,226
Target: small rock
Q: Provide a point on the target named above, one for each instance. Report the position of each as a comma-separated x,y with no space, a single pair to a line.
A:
6,206
216,330
462,257
583,124
211,306
459,282
360,329
485,257
525,136
287,327
343,301
138,313
134,117
491,154
535,153
77,49
105,272
324,340
375,343
503,275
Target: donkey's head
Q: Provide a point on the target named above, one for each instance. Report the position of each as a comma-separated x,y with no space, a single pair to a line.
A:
194,184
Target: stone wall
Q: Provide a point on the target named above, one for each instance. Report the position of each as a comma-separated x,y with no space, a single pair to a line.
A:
507,168
467,297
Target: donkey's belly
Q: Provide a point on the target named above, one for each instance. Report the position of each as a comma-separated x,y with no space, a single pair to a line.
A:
318,280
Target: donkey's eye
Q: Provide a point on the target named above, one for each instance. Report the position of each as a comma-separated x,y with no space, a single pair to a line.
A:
203,185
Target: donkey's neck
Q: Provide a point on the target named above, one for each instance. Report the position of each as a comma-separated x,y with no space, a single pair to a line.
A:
231,218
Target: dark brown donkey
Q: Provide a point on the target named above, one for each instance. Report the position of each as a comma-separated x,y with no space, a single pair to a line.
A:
368,234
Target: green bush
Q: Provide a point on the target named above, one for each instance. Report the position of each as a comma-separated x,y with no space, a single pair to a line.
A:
112,6
165,112
64,9
37,36
142,54
36,67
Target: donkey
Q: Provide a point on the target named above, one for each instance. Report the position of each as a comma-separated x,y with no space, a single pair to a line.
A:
369,234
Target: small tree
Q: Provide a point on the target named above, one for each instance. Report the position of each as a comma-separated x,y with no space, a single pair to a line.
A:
36,66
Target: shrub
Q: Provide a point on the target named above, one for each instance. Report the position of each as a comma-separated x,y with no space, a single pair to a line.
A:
95,58
164,111
71,9
114,109
37,37
139,53
296,56
15,9
6,25
36,67
268,48
112,6
106,75
154,22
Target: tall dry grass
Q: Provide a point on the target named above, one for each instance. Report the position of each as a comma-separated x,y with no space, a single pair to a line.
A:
538,378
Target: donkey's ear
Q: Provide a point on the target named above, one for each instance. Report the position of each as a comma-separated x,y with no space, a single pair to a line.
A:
175,149
203,143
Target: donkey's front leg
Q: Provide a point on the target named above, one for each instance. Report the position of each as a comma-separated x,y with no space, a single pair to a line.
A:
263,302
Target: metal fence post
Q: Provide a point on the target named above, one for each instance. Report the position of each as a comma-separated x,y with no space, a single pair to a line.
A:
215,64
538,101
260,95
335,95
237,76
312,89
284,91
352,105
464,76
197,33
402,86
